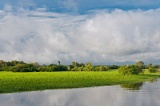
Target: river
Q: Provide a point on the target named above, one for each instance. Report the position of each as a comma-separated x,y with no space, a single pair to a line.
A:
142,94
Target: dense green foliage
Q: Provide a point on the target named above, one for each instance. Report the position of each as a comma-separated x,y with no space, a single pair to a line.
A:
89,67
20,66
17,82
130,70
140,64
152,70
76,75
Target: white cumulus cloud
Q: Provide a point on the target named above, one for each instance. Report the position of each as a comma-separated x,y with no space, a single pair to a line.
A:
100,37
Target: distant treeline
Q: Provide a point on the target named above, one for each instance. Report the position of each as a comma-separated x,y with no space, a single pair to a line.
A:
20,66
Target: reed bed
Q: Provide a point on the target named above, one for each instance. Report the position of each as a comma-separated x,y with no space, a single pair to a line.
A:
18,82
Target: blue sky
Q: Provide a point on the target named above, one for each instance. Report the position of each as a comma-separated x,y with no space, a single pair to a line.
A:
82,6
100,31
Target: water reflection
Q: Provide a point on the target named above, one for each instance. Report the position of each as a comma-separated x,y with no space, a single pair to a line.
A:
148,95
153,80
135,86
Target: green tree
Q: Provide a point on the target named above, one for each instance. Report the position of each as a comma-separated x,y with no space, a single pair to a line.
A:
149,65
23,68
130,70
152,70
1,63
59,63
35,64
101,68
140,64
88,67
74,64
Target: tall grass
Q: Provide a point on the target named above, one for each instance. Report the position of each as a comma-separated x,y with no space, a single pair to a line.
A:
18,82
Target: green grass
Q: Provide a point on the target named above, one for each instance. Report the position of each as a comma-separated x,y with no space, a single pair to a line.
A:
18,82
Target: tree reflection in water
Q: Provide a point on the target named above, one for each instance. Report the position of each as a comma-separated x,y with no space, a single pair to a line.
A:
135,86
153,80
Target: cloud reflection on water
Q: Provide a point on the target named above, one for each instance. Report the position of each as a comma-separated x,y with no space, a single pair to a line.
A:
98,96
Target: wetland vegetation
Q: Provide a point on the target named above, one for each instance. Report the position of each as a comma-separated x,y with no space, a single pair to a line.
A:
17,82
20,76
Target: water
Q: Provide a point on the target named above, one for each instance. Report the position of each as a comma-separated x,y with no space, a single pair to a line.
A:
142,94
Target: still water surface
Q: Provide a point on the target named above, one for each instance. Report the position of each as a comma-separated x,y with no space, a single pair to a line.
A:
142,94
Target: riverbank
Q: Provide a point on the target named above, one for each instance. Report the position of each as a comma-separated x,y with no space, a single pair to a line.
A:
19,82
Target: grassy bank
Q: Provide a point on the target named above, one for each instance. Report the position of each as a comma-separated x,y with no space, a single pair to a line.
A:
18,82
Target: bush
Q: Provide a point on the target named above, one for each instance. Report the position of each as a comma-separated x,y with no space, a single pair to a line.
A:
152,70
74,69
130,70
113,67
22,68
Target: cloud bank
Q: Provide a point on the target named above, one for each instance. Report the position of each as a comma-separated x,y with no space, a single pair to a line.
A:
101,36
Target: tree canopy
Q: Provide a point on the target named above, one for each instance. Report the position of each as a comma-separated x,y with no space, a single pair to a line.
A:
20,66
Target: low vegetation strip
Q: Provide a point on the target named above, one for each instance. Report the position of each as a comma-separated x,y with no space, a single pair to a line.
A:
32,81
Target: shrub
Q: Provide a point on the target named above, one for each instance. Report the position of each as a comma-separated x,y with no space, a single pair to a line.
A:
130,70
152,70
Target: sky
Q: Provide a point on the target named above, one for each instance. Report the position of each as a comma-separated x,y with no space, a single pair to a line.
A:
97,31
